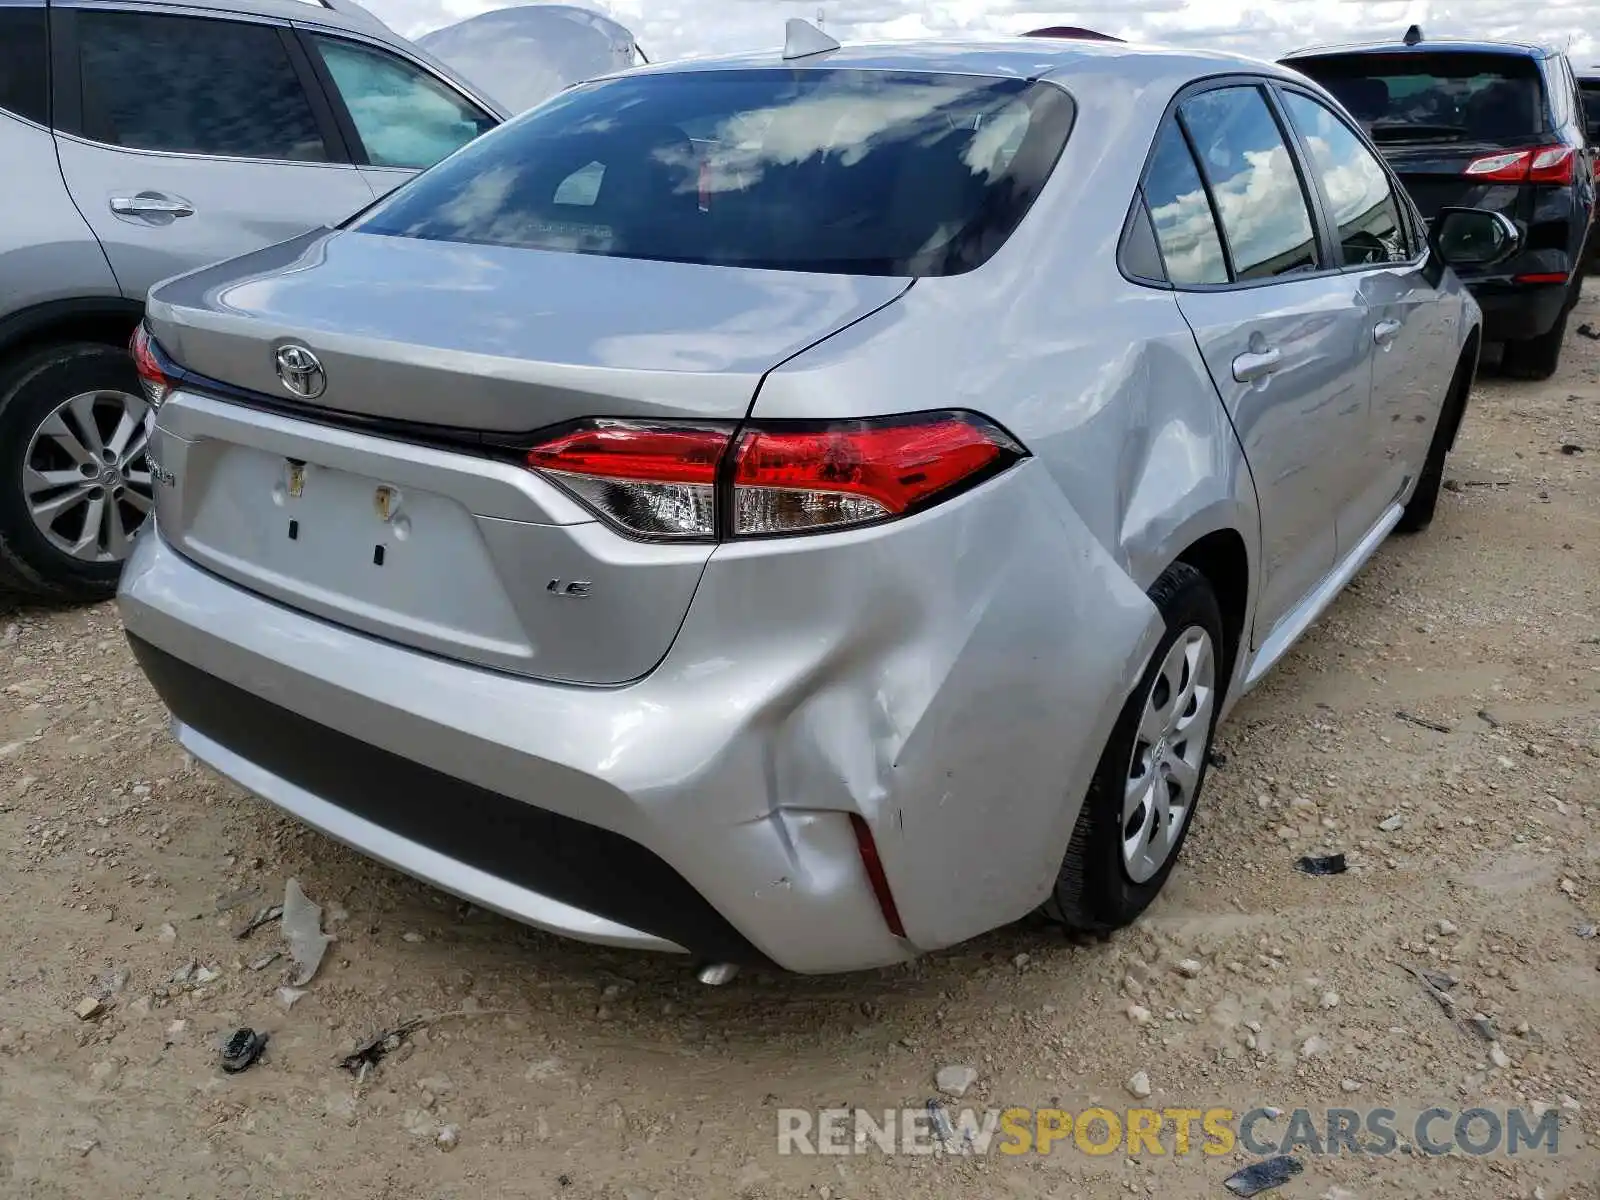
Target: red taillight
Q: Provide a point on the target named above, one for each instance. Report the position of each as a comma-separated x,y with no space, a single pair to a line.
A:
1547,164
875,875
1542,277
661,480
1553,164
653,480
152,378
635,451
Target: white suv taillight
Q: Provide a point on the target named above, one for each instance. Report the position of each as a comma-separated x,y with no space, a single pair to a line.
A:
693,481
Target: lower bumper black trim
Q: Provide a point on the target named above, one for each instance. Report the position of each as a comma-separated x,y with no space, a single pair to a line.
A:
583,865
1515,312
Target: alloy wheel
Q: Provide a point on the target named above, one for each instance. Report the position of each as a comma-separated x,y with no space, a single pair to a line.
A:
85,478
1169,754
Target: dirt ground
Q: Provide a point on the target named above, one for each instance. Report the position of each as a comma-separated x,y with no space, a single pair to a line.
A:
568,1071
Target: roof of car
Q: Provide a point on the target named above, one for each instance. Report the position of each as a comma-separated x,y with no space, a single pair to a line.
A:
339,14
1426,46
1013,57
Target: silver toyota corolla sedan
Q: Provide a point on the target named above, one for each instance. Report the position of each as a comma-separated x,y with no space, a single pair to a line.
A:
806,508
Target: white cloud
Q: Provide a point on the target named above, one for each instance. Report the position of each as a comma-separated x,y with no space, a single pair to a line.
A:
675,28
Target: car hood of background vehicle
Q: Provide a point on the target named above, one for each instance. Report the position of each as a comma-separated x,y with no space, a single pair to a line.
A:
525,54
501,339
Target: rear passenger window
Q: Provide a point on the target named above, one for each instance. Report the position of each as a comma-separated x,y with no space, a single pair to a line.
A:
24,89
1265,216
1355,184
405,117
194,86
1185,229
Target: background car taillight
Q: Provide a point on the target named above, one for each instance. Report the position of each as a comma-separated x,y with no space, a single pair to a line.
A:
146,361
1547,164
698,481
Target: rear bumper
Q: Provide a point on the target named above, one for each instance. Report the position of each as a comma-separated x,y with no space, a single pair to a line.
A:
1517,311
552,871
951,679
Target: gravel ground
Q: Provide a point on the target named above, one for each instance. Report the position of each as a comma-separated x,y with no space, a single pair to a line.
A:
558,1070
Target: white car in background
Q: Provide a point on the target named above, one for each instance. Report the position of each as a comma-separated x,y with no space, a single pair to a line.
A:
526,54
142,141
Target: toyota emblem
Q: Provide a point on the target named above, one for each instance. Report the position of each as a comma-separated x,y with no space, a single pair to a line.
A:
300,372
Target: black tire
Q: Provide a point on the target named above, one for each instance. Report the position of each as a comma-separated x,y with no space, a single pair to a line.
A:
1419,510
1094,892
1538,357
30,389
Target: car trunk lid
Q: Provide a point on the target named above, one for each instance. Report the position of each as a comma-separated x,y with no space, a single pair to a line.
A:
500,339
394,503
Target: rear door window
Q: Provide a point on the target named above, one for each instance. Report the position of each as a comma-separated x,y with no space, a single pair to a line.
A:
1354,184
1255,185
854,172
1186,229
403,116
1448,96
194,85
24,84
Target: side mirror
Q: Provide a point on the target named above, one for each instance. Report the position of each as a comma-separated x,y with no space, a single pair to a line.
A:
1473,237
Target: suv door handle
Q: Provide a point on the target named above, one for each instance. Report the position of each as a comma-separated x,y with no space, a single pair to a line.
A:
1251,366
148,204
1385,332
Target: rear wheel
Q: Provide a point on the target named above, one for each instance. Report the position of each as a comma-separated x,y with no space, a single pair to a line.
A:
1419,510
1538,357
75,486
1142,798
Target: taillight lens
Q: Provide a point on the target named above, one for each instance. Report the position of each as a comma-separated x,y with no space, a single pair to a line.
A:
155,381
791,482
1553,164
657,481
691,481
1547,164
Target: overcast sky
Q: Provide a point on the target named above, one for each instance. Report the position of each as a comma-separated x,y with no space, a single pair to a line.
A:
675,28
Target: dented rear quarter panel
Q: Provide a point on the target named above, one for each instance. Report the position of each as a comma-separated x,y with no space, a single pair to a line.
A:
973,750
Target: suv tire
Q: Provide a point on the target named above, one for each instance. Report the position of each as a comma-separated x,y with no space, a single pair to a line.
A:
32,389
1097,889
1538,357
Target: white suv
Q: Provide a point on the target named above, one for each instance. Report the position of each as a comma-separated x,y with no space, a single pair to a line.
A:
141,140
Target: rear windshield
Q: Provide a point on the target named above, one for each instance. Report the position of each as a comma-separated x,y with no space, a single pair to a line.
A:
854,172
1450,96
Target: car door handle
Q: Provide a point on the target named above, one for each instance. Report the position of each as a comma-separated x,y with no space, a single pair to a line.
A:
1251,366
1385,332
146,205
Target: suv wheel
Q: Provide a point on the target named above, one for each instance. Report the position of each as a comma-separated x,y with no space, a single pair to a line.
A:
74,483
1538,357
1142,798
